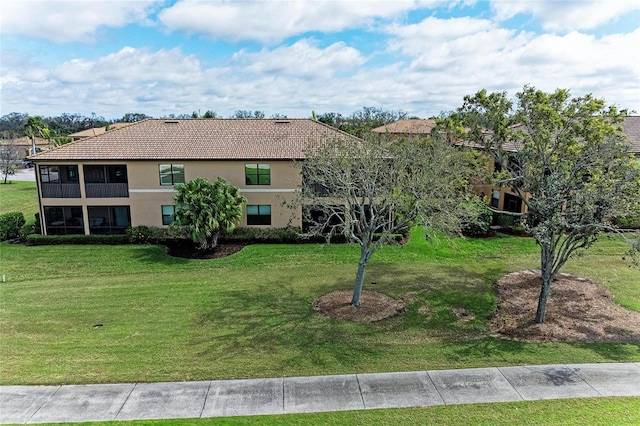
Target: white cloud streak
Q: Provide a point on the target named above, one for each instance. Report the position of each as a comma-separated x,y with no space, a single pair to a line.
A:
427,67
70,21
274,21
566,15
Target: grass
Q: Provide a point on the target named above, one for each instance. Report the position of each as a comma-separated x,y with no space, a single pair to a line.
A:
99,314
102,314
19,197
568,412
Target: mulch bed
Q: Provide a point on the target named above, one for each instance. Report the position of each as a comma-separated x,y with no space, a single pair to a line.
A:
578,310
187,249
374,306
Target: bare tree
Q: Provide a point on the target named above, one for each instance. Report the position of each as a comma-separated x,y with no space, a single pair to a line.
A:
371,190
9,157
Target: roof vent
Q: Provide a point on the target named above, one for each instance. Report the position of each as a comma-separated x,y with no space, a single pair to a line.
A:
171,122
283,122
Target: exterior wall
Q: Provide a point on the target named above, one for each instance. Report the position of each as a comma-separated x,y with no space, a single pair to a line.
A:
147,195
486,191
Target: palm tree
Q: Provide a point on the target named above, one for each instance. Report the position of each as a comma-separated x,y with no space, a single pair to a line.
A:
35,126
208,209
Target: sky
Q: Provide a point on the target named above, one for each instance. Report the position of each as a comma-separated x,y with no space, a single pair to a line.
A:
422,57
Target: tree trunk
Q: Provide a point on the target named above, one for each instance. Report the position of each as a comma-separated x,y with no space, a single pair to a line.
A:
546,277
542,300
357,289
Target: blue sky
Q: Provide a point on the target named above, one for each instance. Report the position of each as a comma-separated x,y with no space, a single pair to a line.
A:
292,57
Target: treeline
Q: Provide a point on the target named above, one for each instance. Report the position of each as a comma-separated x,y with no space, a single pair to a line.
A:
13,125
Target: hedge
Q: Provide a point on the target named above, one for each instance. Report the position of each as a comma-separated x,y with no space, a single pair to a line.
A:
43,240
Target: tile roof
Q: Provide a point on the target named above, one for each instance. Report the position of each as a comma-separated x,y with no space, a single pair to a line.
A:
96,131
631,126
26,141
200,139
412,126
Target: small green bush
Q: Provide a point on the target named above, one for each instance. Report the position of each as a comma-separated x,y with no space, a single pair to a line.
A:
480,220
288,235
43,240
155,234
504,220
10,225
627,222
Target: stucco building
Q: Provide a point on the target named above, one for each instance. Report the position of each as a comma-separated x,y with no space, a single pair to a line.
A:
127,176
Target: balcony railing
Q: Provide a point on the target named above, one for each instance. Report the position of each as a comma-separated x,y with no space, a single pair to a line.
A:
60,190
106,190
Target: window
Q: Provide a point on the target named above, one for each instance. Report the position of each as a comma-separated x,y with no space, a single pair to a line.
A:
258,215
171,174
102,181
60,181
167,214
105,174
109,219
64,220
257,174
495,198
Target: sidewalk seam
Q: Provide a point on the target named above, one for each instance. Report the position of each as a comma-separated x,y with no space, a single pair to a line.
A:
436,387
360,390
512,385
125,401
43,404
206,397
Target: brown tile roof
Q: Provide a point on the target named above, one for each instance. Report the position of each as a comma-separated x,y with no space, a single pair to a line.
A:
96,131
631,126
408,127
200,139
26,141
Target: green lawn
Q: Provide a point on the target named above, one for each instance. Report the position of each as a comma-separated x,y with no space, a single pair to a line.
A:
568,412
101,314
19,197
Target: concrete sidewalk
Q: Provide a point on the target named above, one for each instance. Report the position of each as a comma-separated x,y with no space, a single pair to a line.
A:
82,403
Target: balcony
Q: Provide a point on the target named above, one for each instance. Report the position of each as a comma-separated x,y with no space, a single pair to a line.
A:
60,190
106,190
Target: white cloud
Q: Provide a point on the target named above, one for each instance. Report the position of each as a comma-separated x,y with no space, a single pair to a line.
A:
67,21
428,67
301,59
566,15
132,65
450,58
274,21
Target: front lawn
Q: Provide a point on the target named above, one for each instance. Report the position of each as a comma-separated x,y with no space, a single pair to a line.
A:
104,314
19,197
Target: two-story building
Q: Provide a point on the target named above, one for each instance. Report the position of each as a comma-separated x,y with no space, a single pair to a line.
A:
127,176
499,197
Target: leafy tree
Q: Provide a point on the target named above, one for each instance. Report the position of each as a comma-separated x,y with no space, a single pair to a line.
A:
132,117
9,156
248,114
360,122
369,191
210,114
13,123
207,209
567,160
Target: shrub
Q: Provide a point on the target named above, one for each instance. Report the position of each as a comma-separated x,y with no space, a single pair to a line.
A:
10,225
480,218
42,240
155,234
504,220
627,222
288,235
